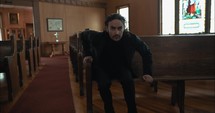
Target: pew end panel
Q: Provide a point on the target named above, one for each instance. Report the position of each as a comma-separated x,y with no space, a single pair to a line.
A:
35,54
38,51
29,56
9,67
21,61
73,49
88,75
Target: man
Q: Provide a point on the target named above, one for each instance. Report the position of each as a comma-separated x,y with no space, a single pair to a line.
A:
111,54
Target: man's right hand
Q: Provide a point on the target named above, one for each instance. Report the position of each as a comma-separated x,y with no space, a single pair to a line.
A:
87,59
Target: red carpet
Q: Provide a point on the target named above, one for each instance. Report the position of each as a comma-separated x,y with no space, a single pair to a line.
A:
50,91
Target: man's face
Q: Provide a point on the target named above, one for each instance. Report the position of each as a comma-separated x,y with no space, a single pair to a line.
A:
115,29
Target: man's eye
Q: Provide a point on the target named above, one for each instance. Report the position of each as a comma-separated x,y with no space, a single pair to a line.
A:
120,28
112,28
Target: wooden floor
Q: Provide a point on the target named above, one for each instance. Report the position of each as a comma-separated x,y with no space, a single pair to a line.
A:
199,97
6,106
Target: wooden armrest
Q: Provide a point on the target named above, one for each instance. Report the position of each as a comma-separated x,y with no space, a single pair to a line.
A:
88,75
87,67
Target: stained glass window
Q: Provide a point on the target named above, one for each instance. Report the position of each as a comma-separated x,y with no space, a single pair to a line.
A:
191,16
186,16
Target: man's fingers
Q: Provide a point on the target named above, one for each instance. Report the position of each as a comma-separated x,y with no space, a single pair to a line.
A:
88,60
147,78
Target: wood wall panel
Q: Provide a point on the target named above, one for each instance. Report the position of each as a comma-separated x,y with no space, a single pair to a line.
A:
24,16
143,15
75,19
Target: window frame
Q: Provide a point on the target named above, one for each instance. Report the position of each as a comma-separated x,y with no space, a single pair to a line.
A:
127,21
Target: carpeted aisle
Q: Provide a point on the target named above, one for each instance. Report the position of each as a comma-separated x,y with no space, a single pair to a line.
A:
50,91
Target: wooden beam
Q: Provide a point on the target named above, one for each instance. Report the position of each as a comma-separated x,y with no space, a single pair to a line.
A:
78,3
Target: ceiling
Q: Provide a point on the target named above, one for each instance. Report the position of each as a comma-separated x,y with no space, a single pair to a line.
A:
28,3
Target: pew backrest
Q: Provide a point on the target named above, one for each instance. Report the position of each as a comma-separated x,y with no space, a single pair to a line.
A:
8,47
182,57
29,43
29,55
73,40
20,44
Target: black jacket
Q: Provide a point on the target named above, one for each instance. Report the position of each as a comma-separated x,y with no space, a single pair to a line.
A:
93,44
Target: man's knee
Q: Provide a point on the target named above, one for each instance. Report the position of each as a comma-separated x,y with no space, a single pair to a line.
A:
103,85
126,77
127,81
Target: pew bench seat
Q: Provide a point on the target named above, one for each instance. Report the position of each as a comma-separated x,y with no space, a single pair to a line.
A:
176,59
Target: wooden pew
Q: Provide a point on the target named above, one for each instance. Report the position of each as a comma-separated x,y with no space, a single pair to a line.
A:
181,58
35,56
73,50
80,65
21,61
76,58
38,51
29,55
177,59
8,66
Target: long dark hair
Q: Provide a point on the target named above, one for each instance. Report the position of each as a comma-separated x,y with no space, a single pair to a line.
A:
114,16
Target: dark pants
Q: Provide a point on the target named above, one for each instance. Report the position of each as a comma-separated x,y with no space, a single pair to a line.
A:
104,82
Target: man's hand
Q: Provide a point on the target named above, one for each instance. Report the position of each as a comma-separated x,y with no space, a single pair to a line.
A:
148,78
88,59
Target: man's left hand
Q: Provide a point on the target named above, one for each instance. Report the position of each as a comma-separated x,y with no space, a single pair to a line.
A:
148,78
